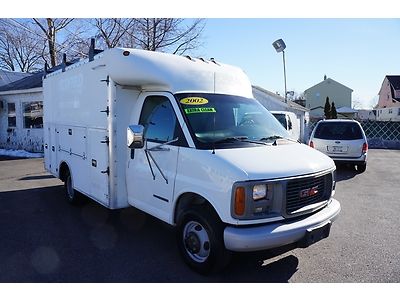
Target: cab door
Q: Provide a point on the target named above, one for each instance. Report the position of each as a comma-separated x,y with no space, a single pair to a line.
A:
151,170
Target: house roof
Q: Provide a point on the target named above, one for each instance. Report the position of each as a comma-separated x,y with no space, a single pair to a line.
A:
33,80
326,81
346,110
394,81
290,103
7,77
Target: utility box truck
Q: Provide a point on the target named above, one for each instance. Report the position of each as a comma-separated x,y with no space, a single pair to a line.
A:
290,122
171,136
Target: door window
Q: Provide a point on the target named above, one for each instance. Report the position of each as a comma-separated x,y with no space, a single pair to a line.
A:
159,120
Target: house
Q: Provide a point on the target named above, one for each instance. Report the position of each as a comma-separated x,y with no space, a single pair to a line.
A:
316,96
388,107
346,112
366,114
21,114
274,102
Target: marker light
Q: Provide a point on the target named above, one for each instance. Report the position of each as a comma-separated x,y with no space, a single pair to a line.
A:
240,201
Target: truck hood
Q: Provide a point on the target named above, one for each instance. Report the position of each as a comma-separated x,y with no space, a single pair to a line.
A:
270,162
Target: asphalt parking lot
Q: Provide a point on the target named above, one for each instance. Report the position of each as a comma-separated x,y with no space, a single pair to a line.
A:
44,239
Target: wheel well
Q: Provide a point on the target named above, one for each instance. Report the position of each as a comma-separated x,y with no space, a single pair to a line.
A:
64,169
189,200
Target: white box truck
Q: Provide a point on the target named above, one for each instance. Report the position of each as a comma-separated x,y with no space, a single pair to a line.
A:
183,140
290,122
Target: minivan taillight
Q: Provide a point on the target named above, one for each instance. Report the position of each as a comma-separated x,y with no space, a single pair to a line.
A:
312,144
364,148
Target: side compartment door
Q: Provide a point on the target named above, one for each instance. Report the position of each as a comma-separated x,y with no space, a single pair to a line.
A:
52,149
151,171
98,160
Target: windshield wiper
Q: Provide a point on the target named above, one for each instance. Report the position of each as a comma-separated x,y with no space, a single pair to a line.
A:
233,139
277,137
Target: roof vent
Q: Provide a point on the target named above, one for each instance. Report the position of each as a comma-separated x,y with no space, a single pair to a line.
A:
189,58
212,59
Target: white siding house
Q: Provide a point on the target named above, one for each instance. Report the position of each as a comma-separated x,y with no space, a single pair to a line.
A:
21,114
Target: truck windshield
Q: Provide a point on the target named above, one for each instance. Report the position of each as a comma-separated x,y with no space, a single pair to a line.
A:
217,120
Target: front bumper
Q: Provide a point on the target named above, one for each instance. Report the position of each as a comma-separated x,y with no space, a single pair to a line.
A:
243,239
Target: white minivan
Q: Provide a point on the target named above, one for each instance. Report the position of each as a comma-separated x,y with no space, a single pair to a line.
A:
342,140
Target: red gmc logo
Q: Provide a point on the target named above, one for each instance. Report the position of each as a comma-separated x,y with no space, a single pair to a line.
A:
309,192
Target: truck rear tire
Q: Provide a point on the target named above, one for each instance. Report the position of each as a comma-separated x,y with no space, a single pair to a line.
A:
72,196
200,240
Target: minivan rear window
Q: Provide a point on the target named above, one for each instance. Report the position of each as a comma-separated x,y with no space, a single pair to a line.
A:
338,131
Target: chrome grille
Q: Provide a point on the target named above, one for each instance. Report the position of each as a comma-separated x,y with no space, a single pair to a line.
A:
307,191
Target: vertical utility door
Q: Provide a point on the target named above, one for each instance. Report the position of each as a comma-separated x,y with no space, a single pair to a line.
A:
151,171
52,149
98,164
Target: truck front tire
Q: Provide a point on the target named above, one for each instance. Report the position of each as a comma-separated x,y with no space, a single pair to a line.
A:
200,240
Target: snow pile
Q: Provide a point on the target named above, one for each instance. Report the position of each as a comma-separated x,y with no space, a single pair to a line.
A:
19,153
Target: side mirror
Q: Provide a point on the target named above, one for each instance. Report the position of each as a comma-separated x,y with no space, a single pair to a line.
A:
290,125
135,138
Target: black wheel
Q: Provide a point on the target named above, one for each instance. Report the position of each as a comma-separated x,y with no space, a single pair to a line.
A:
72,196
200,240
361,167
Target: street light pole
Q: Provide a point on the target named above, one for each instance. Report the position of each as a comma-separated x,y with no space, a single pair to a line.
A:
280,46
284,74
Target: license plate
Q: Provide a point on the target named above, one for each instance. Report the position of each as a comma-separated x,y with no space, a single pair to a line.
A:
337,149
314,235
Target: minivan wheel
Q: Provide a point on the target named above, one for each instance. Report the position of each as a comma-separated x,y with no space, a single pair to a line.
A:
71,194
361,167
200,240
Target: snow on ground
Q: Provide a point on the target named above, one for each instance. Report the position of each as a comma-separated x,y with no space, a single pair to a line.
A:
19,153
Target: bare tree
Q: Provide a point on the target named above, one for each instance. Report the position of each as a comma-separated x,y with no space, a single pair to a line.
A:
155,34
168,34
115,32
19,49
51,28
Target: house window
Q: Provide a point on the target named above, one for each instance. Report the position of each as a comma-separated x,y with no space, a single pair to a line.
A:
12,117
33,114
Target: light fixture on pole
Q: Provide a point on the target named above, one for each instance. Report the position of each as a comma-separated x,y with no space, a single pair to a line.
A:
280,46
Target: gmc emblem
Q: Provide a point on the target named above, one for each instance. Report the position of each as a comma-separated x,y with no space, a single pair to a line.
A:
309,192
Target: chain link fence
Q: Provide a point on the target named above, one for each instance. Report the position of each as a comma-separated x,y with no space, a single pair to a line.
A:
380,135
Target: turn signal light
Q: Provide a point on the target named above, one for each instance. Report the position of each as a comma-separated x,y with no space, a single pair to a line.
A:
311,144
240,204
365,148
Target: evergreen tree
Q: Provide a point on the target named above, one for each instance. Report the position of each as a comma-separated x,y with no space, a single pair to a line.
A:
333,111
327,109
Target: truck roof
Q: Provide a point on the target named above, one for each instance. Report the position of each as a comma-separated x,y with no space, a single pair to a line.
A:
151,70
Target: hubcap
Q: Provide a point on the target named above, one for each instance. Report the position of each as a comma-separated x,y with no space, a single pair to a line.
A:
196,241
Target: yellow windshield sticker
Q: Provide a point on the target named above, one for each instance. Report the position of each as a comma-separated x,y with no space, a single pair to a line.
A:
196,110
194,101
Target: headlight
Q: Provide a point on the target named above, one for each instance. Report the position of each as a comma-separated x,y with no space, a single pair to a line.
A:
259,191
